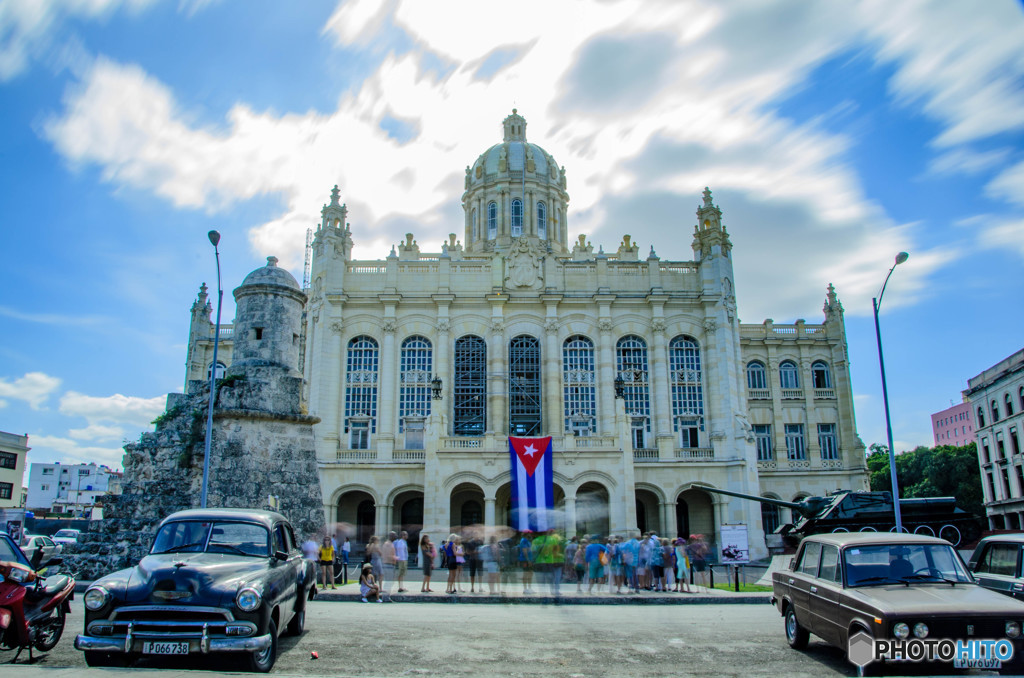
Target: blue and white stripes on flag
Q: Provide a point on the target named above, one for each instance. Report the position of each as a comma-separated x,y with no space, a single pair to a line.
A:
532,484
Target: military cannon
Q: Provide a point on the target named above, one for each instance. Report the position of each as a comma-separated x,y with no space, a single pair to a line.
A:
849,511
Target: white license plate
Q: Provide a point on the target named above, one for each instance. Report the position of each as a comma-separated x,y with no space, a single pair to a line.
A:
165,648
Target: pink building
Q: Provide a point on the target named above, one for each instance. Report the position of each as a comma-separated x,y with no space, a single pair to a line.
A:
954,426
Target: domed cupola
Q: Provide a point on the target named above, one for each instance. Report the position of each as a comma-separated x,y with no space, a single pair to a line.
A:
515,189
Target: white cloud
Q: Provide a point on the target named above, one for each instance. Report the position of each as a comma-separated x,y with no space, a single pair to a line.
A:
47,449
995,232
707,75
98,433
129,410
1009,185
34,388
30,28
966,161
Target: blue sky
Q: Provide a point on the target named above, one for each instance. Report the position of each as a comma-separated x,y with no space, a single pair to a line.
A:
833,135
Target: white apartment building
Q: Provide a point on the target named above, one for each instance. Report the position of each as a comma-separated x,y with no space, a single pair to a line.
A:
69,488
13,450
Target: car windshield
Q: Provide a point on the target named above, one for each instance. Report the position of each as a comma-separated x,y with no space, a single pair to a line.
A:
879,564
66,533
195,536
9,551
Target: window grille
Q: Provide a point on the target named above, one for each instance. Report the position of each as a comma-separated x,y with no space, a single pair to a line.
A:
517,218
361,383
770,519
827,441
414,393
763,440
524,406
687,389
8,460
469,391
631,366
789,376
756,375
795,444
542,221
492,221
578,385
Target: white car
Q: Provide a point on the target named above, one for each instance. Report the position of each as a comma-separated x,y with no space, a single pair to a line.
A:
66,536
40,548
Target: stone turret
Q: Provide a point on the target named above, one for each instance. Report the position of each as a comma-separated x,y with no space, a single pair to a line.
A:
262,453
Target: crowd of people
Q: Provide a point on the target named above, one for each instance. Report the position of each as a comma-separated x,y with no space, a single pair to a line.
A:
641,562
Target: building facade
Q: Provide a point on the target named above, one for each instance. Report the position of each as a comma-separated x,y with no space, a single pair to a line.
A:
13,451
69,488
954,426
996,397
421,365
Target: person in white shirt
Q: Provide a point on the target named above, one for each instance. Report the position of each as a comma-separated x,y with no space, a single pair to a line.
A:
402,559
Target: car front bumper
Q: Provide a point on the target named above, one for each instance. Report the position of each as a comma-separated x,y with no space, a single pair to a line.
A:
204,644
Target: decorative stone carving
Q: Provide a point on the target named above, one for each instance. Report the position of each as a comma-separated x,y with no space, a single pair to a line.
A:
388,326
551,325
497,326
628,250
605,324
582,250
710,325
444,325
337,326
522,266
658,325
408,250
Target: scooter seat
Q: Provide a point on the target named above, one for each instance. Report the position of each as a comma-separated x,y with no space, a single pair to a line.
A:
49,586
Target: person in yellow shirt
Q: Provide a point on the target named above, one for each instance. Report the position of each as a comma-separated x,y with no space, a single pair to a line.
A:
326,557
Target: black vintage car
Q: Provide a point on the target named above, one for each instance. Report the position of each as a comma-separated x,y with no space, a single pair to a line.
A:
217,580
996,564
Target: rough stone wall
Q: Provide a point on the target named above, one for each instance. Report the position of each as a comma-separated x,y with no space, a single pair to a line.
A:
262,445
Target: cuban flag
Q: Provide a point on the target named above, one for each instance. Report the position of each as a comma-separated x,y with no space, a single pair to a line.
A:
532,483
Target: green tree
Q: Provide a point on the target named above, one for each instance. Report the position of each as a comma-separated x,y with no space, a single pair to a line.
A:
942,471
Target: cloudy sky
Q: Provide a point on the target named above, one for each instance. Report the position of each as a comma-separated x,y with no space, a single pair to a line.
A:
833,135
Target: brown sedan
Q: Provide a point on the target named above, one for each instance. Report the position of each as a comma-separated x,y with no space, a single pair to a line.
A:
891,587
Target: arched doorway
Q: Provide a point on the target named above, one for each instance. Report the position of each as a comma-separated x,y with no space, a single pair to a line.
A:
696,514
647,514
356,518
408,516
466,507
592,511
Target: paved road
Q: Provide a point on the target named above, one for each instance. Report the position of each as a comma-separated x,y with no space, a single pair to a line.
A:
356,639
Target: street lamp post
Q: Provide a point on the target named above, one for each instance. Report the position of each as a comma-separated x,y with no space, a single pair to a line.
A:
876,303
214,237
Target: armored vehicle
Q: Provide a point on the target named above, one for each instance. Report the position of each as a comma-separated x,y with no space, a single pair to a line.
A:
847,511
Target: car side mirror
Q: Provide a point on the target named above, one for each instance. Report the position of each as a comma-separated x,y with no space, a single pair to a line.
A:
280,555
792,563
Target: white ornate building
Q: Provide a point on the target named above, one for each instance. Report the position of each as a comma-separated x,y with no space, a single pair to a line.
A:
518,331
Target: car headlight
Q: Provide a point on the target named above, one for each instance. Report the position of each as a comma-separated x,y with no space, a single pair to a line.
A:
921,630
248,599
96,597
19,575
901,630
1012,629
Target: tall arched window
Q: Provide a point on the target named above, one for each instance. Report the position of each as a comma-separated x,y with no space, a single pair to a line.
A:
770,519
524,408
687,390
517,218
1009,405
476,225
821,375
469,392
414,393
1020,397
579,394
981,417
631,367
492,220
757,376
995,411
361,391
542,221
789,375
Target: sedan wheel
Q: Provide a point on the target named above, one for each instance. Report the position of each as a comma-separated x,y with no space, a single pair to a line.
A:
263,661
298,623
796,635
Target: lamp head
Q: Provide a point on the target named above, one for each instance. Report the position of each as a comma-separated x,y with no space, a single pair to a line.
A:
901,257
214,237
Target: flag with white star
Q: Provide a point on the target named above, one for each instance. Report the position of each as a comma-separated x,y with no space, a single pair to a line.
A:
532,483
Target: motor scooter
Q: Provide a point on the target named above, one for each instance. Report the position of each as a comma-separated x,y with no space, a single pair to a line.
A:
32,607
